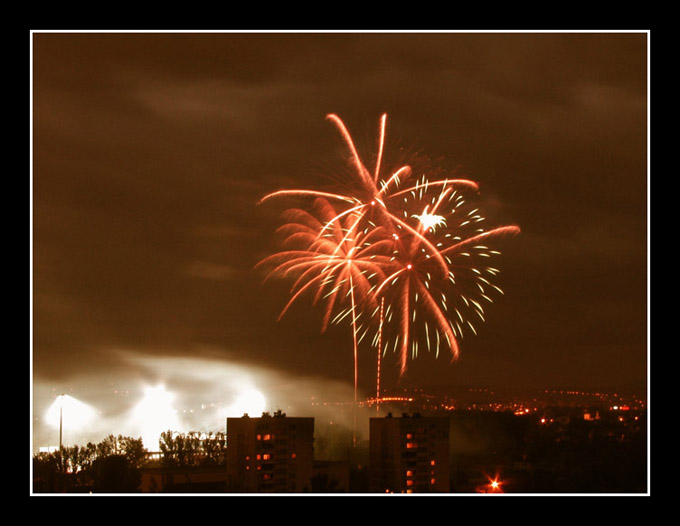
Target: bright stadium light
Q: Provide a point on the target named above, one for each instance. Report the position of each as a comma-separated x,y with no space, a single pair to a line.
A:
70,414
249,401
155,414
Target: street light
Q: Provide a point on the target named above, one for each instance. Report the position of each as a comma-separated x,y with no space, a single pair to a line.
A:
61,419
77,414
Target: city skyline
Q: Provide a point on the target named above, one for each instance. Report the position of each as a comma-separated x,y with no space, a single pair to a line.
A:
151,152
568,449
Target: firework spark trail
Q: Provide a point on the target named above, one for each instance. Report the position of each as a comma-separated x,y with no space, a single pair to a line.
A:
425,272
379,356
368,183
383,122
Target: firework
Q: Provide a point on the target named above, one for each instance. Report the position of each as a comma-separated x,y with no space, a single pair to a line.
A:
414,252
425,308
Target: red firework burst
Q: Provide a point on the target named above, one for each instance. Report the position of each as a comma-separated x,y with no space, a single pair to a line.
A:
414,247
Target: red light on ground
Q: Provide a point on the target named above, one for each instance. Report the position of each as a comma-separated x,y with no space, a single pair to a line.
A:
494,486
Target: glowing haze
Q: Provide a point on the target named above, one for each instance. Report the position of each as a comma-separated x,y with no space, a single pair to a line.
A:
157,394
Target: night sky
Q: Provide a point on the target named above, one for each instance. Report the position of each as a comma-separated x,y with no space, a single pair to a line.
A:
151,151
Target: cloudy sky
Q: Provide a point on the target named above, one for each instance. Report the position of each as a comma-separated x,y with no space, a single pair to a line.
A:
151,151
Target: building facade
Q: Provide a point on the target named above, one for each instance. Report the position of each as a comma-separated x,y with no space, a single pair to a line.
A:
409,454
270,454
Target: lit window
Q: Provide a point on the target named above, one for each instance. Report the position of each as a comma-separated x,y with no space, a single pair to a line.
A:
432,481
409,473
267,437
293,455
411,445
409,436
258,457
409,483
259,437
266,456
431,462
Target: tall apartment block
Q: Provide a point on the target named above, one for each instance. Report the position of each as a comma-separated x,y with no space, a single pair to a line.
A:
270,454
409,454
